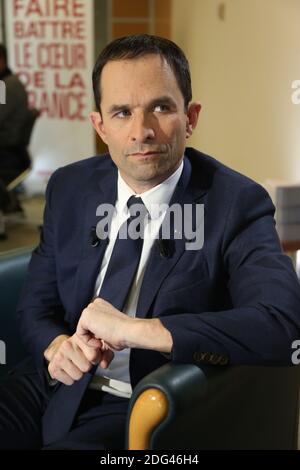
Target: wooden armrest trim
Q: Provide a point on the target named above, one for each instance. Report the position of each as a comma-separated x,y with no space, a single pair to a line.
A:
149,410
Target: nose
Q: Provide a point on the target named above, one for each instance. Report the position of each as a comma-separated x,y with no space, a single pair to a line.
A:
142,130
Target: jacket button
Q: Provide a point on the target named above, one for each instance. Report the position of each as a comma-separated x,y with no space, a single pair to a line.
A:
199,356
224,360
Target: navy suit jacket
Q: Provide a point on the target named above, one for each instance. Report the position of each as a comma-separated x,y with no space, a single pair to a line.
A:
235,301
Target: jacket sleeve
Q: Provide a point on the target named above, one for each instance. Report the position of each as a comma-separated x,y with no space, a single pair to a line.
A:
40,312
265,295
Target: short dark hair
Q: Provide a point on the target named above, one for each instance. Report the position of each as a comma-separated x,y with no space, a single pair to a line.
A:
3,52
139,45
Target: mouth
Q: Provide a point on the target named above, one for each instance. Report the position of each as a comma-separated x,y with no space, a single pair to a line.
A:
145,154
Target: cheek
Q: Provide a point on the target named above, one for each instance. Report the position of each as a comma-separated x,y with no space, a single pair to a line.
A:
174,129
178,138
115,142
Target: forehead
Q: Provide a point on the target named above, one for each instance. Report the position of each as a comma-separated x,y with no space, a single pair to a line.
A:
147,75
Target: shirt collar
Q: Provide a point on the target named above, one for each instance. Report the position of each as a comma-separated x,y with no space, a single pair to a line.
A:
160,194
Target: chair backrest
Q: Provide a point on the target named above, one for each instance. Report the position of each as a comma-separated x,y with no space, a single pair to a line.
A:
13,267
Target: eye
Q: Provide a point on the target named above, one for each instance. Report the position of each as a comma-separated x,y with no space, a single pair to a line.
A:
123,113
161,108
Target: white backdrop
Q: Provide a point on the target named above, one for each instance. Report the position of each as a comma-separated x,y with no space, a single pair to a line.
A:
1,20
50,45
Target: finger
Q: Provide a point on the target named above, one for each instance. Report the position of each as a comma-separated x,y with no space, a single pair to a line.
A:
71,370
86,336
64,378
71,353
93,355
87,347
93,342
60,375
107,357
104,345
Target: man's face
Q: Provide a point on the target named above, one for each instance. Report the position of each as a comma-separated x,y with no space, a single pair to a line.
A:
143,120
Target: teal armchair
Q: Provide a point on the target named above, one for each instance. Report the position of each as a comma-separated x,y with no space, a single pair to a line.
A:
183,406
13,266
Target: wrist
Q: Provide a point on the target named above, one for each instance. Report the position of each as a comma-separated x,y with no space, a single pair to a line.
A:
149,334
54,346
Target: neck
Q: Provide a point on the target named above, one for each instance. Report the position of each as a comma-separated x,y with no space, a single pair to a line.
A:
140,187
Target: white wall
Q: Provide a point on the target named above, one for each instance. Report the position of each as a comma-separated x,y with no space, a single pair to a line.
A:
242,71
1,23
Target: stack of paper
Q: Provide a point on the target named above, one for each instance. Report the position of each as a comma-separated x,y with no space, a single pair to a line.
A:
286,198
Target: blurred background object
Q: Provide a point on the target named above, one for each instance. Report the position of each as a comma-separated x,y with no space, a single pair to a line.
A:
16,124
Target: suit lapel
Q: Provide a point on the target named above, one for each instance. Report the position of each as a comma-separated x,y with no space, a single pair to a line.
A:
102,190
158,267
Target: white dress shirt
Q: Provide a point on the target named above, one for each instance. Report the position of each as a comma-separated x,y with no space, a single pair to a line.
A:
116,379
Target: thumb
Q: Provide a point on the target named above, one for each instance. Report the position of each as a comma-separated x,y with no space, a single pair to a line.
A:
86,339
86,336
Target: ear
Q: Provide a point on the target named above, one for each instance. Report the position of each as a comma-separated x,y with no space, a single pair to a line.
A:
192,118
98,125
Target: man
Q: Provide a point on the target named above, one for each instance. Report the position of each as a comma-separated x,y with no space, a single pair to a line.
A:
13,116
104,312
14,112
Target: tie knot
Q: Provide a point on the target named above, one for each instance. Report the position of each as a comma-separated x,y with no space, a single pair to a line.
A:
135,204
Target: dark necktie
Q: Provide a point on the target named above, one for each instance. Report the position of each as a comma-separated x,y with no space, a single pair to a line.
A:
125,257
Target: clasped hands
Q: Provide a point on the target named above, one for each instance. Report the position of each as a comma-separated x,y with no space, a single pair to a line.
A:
101,330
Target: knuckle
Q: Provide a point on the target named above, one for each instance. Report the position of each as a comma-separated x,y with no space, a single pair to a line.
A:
58,357
86,367
67,346
77,375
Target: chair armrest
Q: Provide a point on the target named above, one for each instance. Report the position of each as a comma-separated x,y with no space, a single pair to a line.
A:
13,267
211,407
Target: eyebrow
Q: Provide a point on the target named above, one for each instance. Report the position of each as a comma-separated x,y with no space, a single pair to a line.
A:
115,108
163,100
